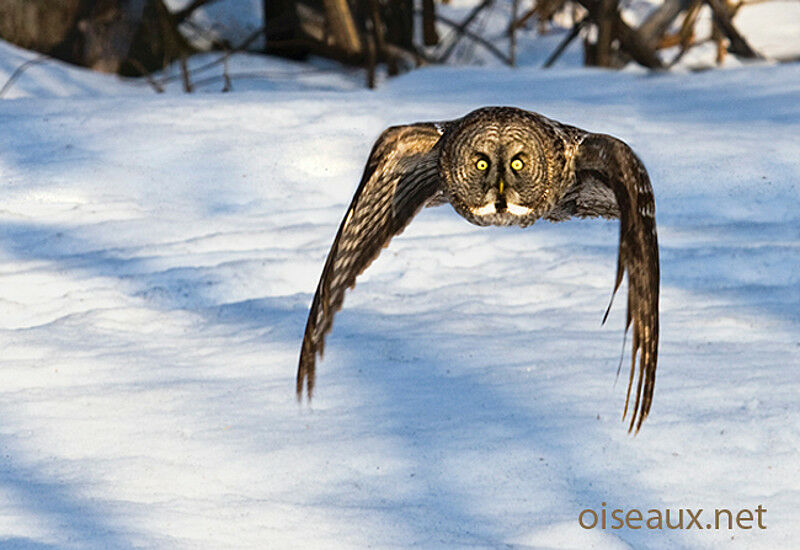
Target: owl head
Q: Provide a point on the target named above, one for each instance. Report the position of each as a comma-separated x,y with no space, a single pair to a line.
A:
496,166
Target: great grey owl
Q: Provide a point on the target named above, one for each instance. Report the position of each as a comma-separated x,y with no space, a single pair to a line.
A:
500,166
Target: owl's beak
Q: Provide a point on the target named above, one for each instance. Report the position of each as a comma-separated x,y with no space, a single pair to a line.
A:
500,203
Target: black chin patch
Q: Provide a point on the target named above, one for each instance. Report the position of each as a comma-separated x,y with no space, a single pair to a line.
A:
500,204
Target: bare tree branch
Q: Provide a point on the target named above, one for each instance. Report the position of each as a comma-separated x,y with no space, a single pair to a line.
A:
149,77
21,69
512,37
460,29
657,23
472,36
186,12
739,45
187,81
576,28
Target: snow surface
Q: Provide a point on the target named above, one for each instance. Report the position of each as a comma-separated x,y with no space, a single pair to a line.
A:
45,77
159,254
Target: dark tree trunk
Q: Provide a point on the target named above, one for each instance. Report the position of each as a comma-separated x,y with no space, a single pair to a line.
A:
106,35
40,26
118,36
157,41
606,11
429,35
282,27
342,26
399,18
630,41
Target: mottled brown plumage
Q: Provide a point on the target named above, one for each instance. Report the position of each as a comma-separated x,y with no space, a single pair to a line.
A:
500,166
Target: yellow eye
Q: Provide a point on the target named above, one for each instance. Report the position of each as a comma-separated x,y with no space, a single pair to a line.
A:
482,164
517,165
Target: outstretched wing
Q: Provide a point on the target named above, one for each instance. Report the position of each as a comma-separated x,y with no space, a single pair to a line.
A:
401,175
612,182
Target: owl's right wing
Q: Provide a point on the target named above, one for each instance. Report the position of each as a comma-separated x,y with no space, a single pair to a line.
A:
400,177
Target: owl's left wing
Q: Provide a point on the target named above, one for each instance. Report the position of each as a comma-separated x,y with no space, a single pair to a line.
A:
612,182
400,177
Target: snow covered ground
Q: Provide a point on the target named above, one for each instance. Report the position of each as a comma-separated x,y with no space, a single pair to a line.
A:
158,254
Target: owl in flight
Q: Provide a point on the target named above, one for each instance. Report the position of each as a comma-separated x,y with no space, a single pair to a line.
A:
500,166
